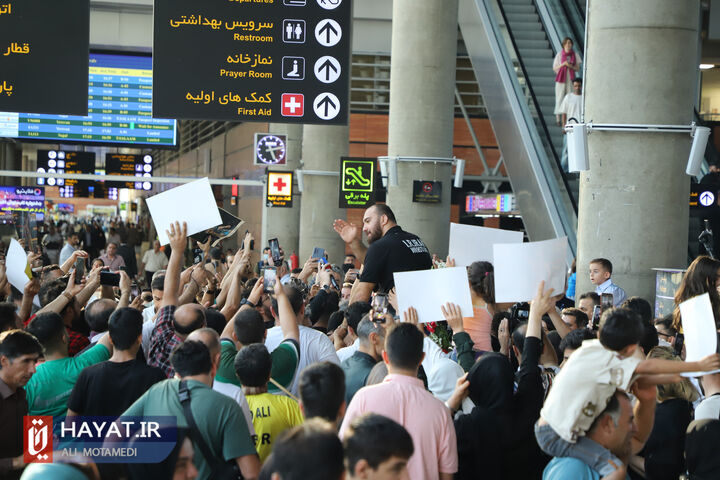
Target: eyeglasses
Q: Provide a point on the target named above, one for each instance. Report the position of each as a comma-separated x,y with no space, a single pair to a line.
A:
666,335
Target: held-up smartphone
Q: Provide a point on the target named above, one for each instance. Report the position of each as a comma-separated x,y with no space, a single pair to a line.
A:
679,342
110,279
597,312
318,253
252,242
607,301
134,290
197,255
79,270
274,250
379,307
269,279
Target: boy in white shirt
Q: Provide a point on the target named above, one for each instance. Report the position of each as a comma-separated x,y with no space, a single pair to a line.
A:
589,379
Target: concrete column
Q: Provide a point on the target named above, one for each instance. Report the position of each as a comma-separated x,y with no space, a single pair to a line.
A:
642,68
284,223
422,99
322,148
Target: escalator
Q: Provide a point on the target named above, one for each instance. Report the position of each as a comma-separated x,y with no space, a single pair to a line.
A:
511,44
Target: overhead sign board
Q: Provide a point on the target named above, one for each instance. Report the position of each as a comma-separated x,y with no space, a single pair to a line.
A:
285,61
357,182
270,149
44,56
427,191
137,167
279,189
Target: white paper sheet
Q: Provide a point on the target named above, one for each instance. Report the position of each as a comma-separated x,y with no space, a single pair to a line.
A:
15,265
428,290
698,324
469,243
192,202
520,267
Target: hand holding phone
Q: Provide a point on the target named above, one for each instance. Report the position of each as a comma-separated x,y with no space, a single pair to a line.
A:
275,251
269,279
379,307
318,252
79,270
110,279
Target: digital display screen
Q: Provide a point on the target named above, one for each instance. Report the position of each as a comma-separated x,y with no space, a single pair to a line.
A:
58,161
503,203
119,109
22,199
138,167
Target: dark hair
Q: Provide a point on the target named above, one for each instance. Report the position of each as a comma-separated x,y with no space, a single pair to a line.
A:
518,336
619,328
574,339
667,323
640,306
323,304
49,291
16,343
71,234
578,80
354,313
191,358
383,209
565,40
699,278
375,439
336,318
295,297
322,390
581,319
158,283
49,329
311,451
215,320
98,313
482,280
649,339
604,263
7,316
253,364
592,295
124,327
216,253
404,346
612,408
249,326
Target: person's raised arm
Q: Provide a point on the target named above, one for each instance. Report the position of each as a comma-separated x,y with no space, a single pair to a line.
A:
310,267
31,289
660,366
92,282
68,264
65,298
646,395
361,291
351,235
540,304
197,278
286,315
463,343
556,318
178,239
125,285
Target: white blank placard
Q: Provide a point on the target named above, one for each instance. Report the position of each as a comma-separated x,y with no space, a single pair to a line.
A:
192,202
520,267
428,290
698,324
15,266
470,243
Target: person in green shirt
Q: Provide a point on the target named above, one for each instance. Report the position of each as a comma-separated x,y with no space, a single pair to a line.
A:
49,389
271,414
219,418
248,328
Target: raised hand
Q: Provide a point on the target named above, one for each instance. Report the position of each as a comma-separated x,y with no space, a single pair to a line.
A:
177,236
347,231
453,315
710,363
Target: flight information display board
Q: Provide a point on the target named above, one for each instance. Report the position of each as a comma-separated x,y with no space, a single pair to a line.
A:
285,61
136,167
119,100
58,161
44,55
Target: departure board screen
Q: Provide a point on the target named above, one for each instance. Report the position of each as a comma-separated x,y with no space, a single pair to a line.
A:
54,161
137,167
119,109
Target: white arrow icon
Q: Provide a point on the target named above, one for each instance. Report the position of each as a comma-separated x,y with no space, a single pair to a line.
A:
329,4
328,33
707,199
326,106
327,69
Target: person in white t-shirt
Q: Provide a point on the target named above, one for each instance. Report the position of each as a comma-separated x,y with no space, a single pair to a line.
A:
592,374
152,261
710,406
571,111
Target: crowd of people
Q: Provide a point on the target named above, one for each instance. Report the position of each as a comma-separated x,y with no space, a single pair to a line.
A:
316,374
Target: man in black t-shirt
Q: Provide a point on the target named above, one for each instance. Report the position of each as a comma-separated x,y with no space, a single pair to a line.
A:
109,388
391,250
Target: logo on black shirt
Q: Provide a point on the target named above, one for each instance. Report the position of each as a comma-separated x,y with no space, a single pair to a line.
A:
415,246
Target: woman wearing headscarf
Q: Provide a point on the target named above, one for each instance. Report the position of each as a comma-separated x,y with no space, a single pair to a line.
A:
565,65
701,452
496,439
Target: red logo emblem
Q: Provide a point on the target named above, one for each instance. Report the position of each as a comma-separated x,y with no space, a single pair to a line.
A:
427,187
37,439
293,105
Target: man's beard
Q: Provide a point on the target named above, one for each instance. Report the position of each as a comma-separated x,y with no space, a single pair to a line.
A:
375,235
